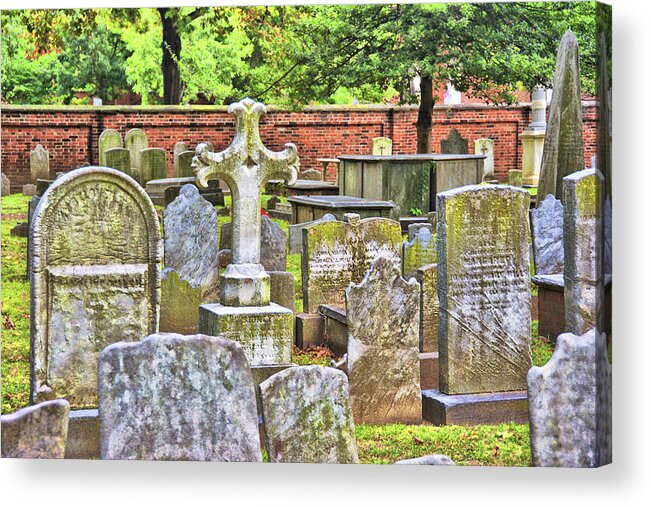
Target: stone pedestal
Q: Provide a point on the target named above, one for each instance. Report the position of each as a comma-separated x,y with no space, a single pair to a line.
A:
83,434
532,149
309,330
264,332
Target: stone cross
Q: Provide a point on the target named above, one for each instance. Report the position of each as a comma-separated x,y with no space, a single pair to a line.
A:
246,165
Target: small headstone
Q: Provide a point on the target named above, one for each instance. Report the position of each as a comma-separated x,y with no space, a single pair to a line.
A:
308,417
39,431
39,164
179,148
412,229
418,252
486,147
311,174
184,164
547,235
174,397
570,404
191,241
273,243
108,139
120,159
515,177
153,164
179,305
29,189
427,276
135,141
430,459
296,233
6,185
454,144
382,313
283,292
382,146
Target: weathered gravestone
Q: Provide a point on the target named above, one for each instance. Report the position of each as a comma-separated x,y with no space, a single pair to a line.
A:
427,276
135,141
153,164
338,253
382,313
273,243
39,431
487,147
454,144
39,164
179,305
547,236
179,148
570,409
311,175
29,190
120,159
296,233
183,164
108,139
95,278
563,149
418,252
583,195
192,242
308,417
6,185
382,146
282,289
413,229
515,177
174,397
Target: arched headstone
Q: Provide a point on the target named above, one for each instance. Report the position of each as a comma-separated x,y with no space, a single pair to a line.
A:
107,140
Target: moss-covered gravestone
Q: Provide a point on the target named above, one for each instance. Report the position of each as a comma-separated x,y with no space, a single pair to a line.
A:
108,139
120,159
95,278
308,417
135,141
179,148
153,164
418,252
183,164
174,397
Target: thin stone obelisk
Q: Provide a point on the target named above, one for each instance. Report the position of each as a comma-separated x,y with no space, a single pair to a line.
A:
563,150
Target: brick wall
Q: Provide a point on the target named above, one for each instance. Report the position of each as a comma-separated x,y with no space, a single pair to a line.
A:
71,133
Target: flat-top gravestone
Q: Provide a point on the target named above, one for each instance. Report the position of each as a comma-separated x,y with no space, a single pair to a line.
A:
487,147
418,252
192,241
570,404
454,144
108,139
179,148
583,194
183,165
135,141
547,234
484,289
382,146
308,417
382,314
120,159
174,397
563,149
39,164
39,431
95,279
153,164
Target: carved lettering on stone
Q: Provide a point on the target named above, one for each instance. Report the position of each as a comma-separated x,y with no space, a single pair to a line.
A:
547,234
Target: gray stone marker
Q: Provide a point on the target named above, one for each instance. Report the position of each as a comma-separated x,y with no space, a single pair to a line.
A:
174,397
382,146
487,147
570,404
135,141
153,164
563,149
515,177
583,194
296,233
427,276
120,159
95,279
29,190
183,165
179,307
484,289
311,175
308,417
418,252
192,241
430,459
283,292
454,144
547,235
39,164
39,431
382,313
273,243
412,229
108,139
179,148
6,185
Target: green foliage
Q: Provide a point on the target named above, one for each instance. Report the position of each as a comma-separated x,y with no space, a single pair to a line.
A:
415,212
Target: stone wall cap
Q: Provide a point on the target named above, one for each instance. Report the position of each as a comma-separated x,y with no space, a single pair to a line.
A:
435,157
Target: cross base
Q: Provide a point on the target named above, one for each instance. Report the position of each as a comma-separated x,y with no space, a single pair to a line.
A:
245,285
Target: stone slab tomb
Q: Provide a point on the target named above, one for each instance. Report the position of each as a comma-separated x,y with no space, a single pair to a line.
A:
308,417
108,139
95,278
173,397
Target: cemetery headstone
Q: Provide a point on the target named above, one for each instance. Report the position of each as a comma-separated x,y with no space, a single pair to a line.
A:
547,234
6,185
418,252
179,148
382,313
135,141
199,398
412,229
308,417
570,404
382,146
454,144
29,190
108,139
183,164
179,306
283,292
427,276
95,278
39,431
153,164
515,177
487,147
120,159
271,203
311,175
39,164
563,149
296,233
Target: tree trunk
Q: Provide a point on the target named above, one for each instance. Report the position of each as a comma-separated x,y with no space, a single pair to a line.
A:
172,86
424,123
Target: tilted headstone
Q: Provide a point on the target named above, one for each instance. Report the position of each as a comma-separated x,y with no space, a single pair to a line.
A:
484,289
418,252
382,146
179,304
120,159
382,314
39,164
6,185
39,431
95,255
311,174
454,144
308,417
135,141
179,148
192,241
487,147
583,194
273,243
547,235
563,149
108,139
427,276
183,164
570,410
153,164
177,397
